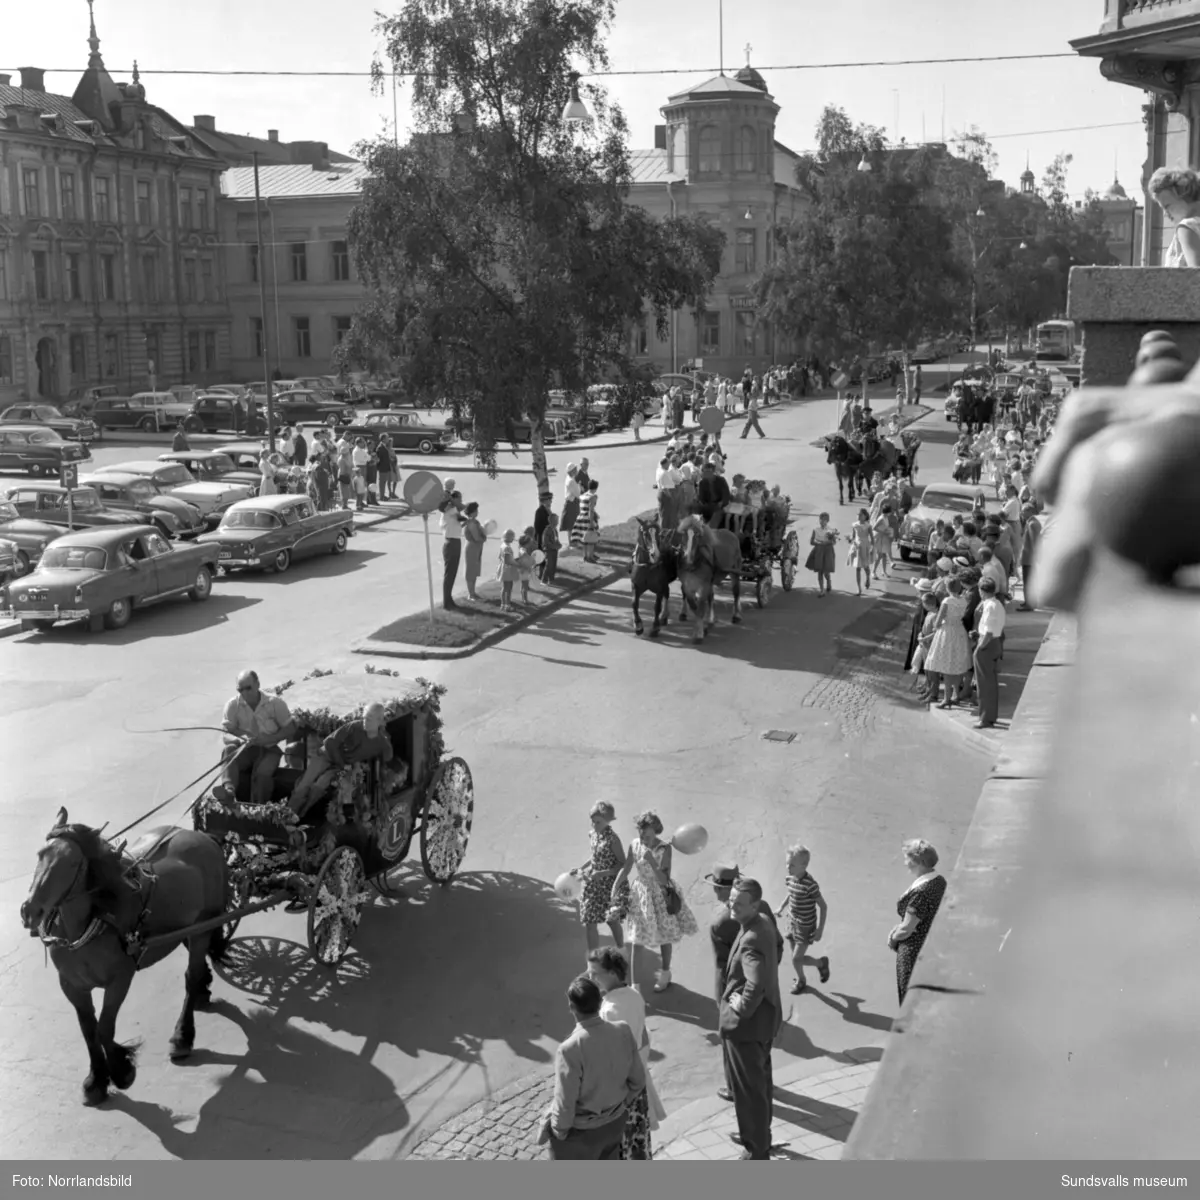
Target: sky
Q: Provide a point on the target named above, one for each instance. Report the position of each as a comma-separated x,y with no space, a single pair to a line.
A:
1029,108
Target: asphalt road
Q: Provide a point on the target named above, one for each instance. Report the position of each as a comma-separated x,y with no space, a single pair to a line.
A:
451,994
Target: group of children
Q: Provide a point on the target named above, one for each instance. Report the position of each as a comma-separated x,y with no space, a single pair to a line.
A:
517,564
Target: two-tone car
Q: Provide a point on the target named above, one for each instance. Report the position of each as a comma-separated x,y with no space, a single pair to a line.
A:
304,407
49,502
38,450
938,501
273,531
102,575
137,495
216,466
72,429
220,412
31,537
406,430
211,497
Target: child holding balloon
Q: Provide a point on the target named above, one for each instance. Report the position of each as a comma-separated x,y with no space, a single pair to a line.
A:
598,874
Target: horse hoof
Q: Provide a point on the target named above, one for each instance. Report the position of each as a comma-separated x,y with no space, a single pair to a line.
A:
123,1078
654,633
637,631
179,1051
94,1093
737,620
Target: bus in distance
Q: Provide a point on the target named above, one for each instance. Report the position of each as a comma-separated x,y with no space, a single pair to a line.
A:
1055,341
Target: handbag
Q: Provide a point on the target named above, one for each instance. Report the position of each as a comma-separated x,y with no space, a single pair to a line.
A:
674,899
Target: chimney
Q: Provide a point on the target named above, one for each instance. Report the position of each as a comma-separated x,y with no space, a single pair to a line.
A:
272,135
205,122
33,79
660,137
5,80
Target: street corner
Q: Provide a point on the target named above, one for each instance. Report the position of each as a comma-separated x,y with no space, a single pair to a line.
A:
506,1126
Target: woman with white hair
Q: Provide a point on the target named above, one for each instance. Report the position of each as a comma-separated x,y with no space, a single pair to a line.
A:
916,909
1177,193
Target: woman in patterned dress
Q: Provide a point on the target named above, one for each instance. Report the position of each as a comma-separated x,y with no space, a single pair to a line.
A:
597,874
949,654
648,870
608,969
916,908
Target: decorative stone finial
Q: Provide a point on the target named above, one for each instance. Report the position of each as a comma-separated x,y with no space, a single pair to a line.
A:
93,39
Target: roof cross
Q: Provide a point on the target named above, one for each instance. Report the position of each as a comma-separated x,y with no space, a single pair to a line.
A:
748,49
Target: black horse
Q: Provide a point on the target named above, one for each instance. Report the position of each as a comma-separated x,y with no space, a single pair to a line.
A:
846,461
654,568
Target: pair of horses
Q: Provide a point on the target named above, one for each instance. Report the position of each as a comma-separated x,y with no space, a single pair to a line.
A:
698,556
94,906
856,465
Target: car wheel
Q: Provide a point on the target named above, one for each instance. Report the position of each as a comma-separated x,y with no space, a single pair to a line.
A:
202,588
37,470
22,563
589,429
194,425
281,561
340,542
119,612
425,445
148,425
331,420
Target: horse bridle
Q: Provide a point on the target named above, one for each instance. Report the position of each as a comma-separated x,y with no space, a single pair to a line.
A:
53,913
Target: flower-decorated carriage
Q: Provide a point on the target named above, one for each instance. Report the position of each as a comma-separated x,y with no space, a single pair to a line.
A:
362,816
766,542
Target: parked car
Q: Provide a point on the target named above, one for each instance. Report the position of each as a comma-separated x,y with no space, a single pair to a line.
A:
85,397
48,502
46,415
186,393
9,563
166,407
938,500
212,498
38,450
31,537
219,412
147,411
407,431
216,466
104,574
258,389
304,407
170,515
274,531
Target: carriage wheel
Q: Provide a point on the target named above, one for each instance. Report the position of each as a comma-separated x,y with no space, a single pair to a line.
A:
762,593
446,824
335,905
787,573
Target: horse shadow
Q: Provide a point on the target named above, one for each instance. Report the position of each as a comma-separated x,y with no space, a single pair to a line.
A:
291,1095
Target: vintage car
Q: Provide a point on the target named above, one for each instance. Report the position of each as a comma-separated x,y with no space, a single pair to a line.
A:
939,501
215,466
102,575
48,502
304,407
406,429
10,564
38,450
212,498
220,412
82,398
272,531
170,515
74,429
30,537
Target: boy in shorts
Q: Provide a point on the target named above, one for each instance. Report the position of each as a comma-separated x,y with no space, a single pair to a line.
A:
806,912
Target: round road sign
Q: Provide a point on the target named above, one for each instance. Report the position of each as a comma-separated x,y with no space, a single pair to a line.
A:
712,420
424,492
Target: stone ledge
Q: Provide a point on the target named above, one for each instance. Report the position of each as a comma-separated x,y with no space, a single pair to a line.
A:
1144,296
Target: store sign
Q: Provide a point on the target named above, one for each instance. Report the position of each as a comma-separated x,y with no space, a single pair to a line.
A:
744,302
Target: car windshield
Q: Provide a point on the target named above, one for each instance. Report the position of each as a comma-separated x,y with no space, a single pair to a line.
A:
41,437
8,511
250,519
220,464
47,412
174,475
74,557
142,491
948,501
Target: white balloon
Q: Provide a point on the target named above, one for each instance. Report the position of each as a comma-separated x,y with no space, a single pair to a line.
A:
568,886
490,528
690,839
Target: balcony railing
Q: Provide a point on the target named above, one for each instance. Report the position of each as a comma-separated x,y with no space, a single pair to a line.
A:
1137,12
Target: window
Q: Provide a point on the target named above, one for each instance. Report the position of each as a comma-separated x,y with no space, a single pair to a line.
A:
6,359
256,333
193,358
743,262
112,356
31,191
108,277
747,334
206,280
710,334
143,202
189,280
66,195
341,261
100,195
303,338
299,262
41,275
150,278
253,248
185,208
710,150
341,329
73,273
202,208
78,347
744,153
210,350
153,349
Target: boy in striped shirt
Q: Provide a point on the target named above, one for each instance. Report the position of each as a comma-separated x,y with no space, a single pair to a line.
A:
807,910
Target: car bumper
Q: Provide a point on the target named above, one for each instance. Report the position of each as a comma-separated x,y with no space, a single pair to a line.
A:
226,558
919,545
49,614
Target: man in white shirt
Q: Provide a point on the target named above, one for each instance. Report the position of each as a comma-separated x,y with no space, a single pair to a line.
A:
451,525
991,568
989,650
663,478
254,725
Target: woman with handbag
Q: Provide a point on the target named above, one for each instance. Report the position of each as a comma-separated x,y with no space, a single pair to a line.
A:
657,914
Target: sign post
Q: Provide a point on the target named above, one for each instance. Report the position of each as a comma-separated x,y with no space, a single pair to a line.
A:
68,477
424,492
840,381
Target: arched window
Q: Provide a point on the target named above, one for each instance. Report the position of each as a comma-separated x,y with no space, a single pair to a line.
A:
744,154
710,150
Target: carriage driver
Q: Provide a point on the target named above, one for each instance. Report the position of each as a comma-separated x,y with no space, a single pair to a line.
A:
254,726
354,742
712,496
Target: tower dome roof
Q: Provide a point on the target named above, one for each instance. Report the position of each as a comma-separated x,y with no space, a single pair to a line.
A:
750,76
1027,174
1116,191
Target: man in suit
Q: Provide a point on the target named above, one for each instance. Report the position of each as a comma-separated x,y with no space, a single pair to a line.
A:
751,1016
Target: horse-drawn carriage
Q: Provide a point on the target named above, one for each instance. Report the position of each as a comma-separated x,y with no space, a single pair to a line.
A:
776,546
358,828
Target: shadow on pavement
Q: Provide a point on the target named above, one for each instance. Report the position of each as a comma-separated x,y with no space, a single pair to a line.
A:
324,566
851,1009
169,619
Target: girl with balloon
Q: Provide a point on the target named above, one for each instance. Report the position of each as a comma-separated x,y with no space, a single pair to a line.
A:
597,875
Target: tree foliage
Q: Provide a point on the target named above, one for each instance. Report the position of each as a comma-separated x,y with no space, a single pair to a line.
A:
500,255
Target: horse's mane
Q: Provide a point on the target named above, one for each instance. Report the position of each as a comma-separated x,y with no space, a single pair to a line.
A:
697,523
106,869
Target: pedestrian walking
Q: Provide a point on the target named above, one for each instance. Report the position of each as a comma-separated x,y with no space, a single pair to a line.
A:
822,557
752,417
916,909
806,913
473,536
989,650
451,525
637,421
751,1015
862,550
266,485
180,443
883,531
595,907
299,447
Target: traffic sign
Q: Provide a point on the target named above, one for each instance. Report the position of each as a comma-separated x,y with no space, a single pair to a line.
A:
424,492
712,420
68,475
841,380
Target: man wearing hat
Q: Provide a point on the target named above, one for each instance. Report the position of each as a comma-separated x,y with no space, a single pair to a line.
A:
723,933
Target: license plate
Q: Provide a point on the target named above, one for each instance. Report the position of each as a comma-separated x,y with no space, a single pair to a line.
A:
224,554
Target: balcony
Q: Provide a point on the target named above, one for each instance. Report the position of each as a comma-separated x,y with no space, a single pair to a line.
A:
1166,30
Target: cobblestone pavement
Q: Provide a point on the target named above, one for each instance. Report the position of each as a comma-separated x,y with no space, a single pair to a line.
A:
505,1126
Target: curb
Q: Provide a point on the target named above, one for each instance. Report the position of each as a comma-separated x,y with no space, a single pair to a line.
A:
499,635
975,738
9,628
472,470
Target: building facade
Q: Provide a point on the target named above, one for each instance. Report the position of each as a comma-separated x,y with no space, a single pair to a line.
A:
1122,224
239,149
717,156
312,289
110,271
